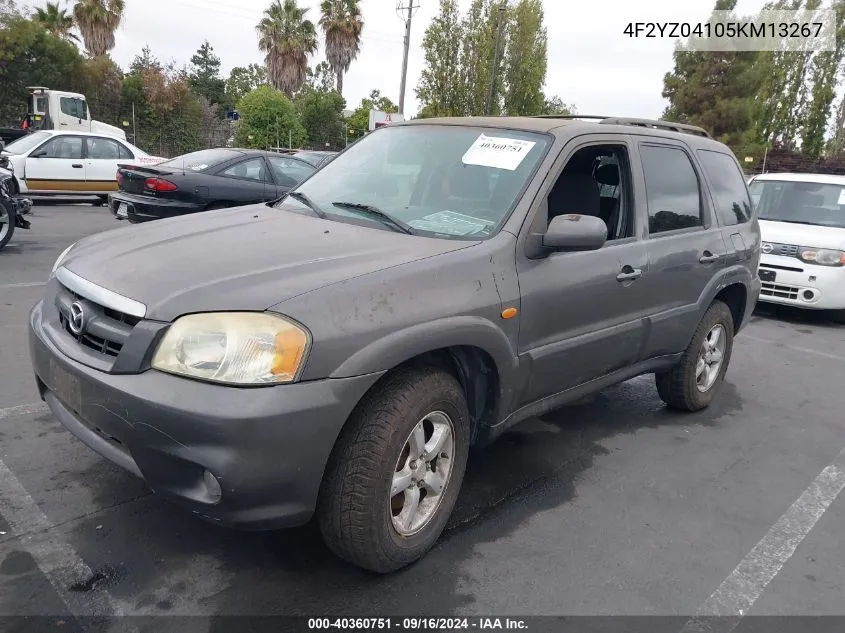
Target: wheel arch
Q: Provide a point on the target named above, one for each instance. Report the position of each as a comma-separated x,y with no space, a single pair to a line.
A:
472,349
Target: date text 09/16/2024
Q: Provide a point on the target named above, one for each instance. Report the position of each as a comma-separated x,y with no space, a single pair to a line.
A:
417,624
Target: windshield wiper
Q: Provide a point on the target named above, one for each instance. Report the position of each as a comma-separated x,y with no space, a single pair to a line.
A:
307,202
386,218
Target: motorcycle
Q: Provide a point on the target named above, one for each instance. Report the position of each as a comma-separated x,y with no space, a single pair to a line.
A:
13,207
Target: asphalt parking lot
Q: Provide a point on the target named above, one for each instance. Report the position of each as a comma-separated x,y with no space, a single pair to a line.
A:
611,507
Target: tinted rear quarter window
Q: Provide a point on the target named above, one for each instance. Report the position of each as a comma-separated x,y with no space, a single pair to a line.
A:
727,184
674,199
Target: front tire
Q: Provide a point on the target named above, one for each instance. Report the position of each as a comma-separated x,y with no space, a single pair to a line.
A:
394,475
7,223
693,383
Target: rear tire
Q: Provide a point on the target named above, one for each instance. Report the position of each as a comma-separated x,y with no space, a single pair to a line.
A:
7,223
101,201
693,383
380,507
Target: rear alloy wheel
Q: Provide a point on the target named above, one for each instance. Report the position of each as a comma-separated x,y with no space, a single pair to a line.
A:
692,384
396,470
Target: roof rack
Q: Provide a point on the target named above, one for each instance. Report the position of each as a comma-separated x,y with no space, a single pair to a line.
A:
649,123
570,116
660,125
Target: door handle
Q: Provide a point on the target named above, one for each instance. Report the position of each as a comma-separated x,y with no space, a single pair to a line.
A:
630,274
708,258
76,166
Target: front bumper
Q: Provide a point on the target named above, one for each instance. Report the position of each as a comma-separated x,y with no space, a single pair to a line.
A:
144,209
266,447
803,285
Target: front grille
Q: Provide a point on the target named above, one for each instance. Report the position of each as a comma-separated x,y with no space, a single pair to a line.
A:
780,291
783,250
104,330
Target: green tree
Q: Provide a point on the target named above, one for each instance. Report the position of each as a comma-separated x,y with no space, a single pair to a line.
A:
555,105
342,25
144,60
526,60
321,113
170,119
287,39
56,21
98,20
823,75
715,90
204,77
103,89
477,41
268,117
30,56
243,80
441,86
321,77
359,121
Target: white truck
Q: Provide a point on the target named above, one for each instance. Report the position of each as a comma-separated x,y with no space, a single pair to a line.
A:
57,110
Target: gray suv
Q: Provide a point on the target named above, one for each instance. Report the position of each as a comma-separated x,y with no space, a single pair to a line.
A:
337,353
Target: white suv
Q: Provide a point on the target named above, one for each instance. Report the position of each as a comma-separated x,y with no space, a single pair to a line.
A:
802,220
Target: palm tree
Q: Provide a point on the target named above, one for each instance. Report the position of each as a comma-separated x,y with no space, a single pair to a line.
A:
56,21
287,39
342,23
98,20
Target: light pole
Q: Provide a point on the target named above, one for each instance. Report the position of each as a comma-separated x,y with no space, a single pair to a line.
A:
405,13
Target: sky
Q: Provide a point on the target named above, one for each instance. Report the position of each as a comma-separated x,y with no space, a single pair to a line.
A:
592,64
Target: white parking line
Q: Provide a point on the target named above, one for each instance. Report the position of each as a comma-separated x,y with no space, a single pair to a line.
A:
795,348
739,591
57,560
29,284
24,409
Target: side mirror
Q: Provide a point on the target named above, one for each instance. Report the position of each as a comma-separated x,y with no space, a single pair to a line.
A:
574,232
39,154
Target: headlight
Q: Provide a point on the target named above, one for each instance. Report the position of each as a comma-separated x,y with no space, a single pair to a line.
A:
61,258
822,256
236,348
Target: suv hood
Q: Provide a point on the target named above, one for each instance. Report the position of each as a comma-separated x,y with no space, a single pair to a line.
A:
248,258
802,234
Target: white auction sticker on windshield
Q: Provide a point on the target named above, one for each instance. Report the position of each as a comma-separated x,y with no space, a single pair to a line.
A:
841,200
498,152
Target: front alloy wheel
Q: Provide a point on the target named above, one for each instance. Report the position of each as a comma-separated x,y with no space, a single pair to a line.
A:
422,473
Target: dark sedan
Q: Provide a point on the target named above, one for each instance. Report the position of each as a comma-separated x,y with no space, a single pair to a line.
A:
203,181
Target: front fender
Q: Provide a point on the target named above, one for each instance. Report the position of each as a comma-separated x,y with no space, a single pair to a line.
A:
465,331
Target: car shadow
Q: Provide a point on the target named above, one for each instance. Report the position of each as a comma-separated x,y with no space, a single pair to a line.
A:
795,316
172,563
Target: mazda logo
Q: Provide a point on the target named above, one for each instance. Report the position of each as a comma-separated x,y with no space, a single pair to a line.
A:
767,248
76,320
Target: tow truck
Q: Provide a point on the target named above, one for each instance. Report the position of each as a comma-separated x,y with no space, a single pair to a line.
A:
57,110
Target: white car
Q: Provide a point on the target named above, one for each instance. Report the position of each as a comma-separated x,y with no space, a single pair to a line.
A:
72,163
802,221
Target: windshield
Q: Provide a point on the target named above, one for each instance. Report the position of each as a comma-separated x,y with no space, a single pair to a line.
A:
26,143
452,182
198,161
799,202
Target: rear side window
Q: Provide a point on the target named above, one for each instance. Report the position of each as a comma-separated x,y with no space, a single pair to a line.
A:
733,204
674,199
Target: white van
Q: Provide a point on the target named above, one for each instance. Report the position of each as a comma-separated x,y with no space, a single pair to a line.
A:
802,220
